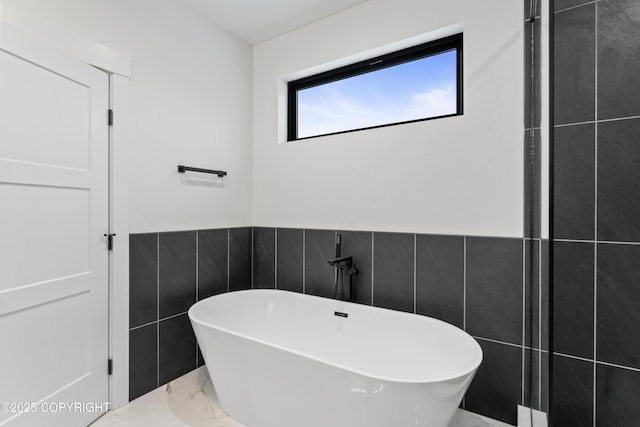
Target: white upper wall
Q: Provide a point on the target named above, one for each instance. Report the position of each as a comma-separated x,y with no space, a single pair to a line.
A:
459,175
190,103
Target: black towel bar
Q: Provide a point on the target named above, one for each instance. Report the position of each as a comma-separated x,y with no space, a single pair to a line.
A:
183,169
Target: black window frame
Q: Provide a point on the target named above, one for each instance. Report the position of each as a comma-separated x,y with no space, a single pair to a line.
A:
373,64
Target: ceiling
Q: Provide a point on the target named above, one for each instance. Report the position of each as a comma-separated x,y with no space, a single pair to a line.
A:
256,21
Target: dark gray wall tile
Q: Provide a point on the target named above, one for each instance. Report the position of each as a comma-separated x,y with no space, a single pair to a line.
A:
358,245
212,262
574,60
542,368
617,397
177,348
393,271
240,258
618,304
618,61
545,383
264,258
536,375
440,277
494,288
290,263
143,279
532,183
572,392
530,383
496,390
143,360
573,298
177,284
574,182
532,312
544,295
619,181
319,275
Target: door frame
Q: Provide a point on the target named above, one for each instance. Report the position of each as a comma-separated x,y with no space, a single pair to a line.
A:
118,66
119,258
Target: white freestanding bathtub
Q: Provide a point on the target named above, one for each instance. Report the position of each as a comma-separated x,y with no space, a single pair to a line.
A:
283,359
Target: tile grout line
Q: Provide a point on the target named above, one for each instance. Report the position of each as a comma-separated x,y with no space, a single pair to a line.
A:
571,356
614,365
600,242
197,284
575,7
252,260
595,361
173,316
142,326
228,267
275,258
574,240
540,252
415,271
564,125
197,262
373,238
501,342
538,128
609,242
591,122
337,273
464,297
524,319
304,257
464,283
614,119
158,310
595,222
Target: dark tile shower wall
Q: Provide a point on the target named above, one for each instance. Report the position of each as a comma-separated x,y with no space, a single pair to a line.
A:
597,198
168,272
476,283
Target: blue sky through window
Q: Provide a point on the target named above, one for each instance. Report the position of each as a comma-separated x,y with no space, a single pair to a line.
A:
413,90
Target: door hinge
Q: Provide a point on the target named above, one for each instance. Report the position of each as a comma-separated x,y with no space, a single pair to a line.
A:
110,366
110,240
110,117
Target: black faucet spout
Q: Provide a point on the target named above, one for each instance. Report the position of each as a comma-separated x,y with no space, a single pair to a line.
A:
342,262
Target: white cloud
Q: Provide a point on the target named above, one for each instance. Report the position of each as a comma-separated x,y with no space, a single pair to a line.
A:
333,111
435,102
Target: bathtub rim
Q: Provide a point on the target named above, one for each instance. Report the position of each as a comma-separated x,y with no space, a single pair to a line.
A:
479,354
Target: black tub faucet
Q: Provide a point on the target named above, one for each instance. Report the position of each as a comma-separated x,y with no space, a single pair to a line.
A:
342,264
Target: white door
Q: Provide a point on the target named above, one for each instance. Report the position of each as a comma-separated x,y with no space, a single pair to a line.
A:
53,257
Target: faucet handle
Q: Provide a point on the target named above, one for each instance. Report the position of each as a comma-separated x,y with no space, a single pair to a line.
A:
345,261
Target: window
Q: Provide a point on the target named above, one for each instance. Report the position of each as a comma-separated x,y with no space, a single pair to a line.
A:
418,83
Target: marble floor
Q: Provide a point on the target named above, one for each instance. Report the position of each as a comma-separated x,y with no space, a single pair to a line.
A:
190,401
